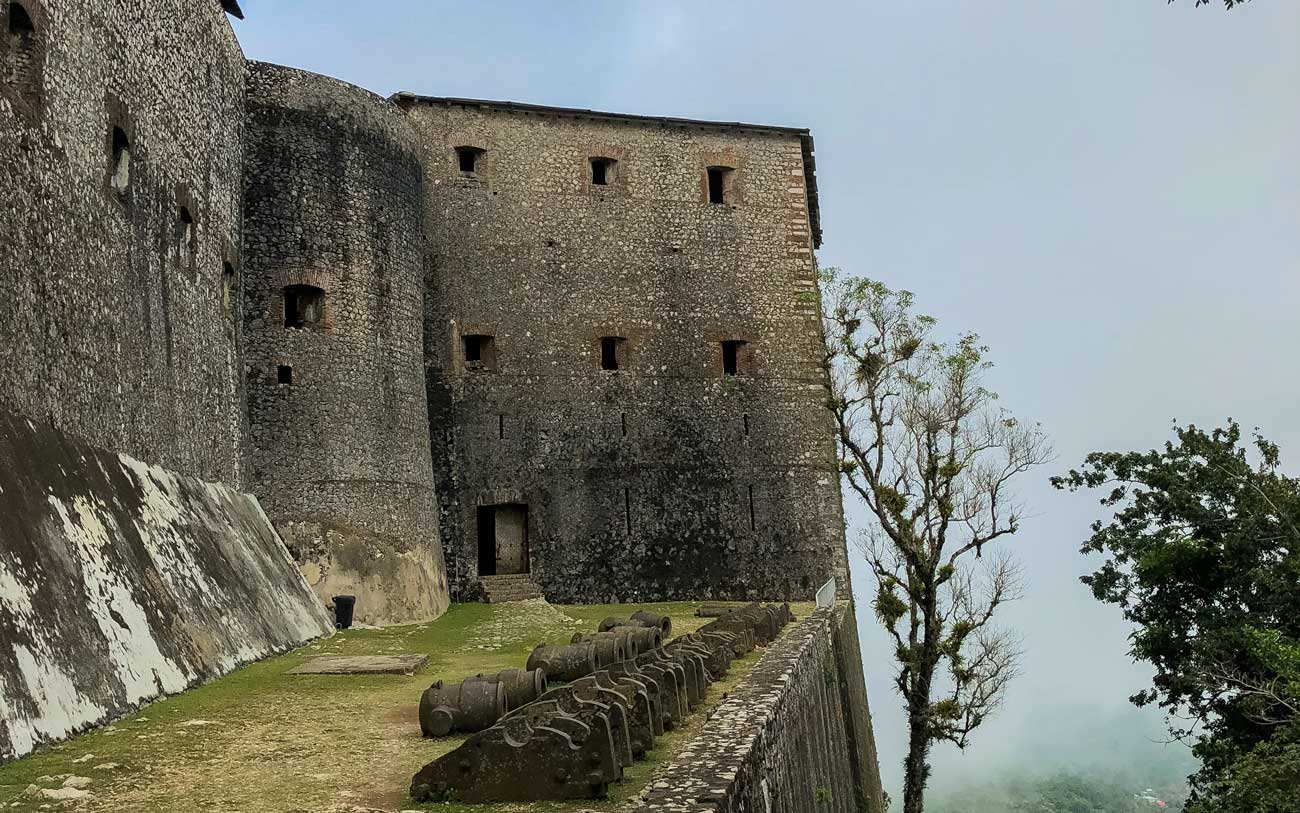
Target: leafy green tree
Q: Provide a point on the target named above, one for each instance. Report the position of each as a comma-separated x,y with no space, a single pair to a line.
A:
1203,555
925,448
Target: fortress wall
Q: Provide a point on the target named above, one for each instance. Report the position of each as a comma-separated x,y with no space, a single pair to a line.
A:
116,318
638,482
340,453
794,737
121,582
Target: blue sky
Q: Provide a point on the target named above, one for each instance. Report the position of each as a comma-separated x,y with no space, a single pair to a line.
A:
1108,191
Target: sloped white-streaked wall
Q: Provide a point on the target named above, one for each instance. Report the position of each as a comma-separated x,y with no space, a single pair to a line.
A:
121,582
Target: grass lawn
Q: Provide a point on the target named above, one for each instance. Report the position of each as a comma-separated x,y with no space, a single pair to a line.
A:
262,741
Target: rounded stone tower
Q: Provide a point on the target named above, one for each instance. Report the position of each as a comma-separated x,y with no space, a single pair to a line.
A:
334,292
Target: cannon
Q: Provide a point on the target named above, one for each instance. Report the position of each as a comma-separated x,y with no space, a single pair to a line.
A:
656,659
663,622
461,707
610,646
646,638
516,761
662,682
694,672
596,706
611,621
713,611
628,673
636,702
522,687
564,662
714,659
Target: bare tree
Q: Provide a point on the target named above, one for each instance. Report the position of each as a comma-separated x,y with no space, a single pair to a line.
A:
924,446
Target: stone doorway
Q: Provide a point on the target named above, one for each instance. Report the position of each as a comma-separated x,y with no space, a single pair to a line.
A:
502,539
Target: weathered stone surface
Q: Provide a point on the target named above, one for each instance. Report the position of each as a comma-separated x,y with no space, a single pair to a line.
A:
794,736
120,582
115,323
665,478
341,454
361,665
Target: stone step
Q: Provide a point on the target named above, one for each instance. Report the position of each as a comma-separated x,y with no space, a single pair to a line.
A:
507,588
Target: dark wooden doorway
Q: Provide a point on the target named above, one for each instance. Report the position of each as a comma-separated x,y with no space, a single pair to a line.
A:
502,539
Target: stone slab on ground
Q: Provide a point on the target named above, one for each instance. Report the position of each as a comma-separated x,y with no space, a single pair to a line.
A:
361,665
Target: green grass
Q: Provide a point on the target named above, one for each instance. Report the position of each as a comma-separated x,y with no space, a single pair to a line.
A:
263,740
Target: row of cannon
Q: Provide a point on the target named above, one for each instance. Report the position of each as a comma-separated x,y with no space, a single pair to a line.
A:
623,687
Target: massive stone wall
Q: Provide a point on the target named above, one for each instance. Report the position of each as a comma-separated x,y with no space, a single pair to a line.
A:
666,478
116,315
121,581
794,737
339,446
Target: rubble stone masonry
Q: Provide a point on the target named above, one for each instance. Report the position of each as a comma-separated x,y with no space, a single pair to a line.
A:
668,477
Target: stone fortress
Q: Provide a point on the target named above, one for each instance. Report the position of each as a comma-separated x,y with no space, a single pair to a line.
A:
438,339
454,349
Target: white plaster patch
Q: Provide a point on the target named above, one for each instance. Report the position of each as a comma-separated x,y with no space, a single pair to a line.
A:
140,665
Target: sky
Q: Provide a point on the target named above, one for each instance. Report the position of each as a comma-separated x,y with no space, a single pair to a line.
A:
1107,191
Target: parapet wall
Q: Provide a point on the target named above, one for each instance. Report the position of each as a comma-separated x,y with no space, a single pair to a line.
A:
121,582
795,737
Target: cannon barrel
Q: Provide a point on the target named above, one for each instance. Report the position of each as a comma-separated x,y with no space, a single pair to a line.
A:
521,686
610,647
647,638
565,663
461,707
663,622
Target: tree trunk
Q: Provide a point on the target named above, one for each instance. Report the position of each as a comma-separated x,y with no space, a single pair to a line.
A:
916,768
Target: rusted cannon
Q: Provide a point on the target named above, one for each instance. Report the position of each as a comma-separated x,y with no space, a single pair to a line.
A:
636,702
587,701
663,682
564,662
522,687
681,675
515,761
647,638
713,611
461,707
611,621
663,622
610,647
714,657
627,672
696,674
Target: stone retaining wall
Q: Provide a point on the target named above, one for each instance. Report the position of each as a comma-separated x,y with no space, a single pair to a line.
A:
121,582
795,736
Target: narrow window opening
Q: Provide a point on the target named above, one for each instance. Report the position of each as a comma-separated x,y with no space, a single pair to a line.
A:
719,181
602,171
284,374
121,162
623,421
228,289
747,423
610,352
467,158
501,426
304,306
627,510
480,351
731,356
22,60
185,232
752,523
